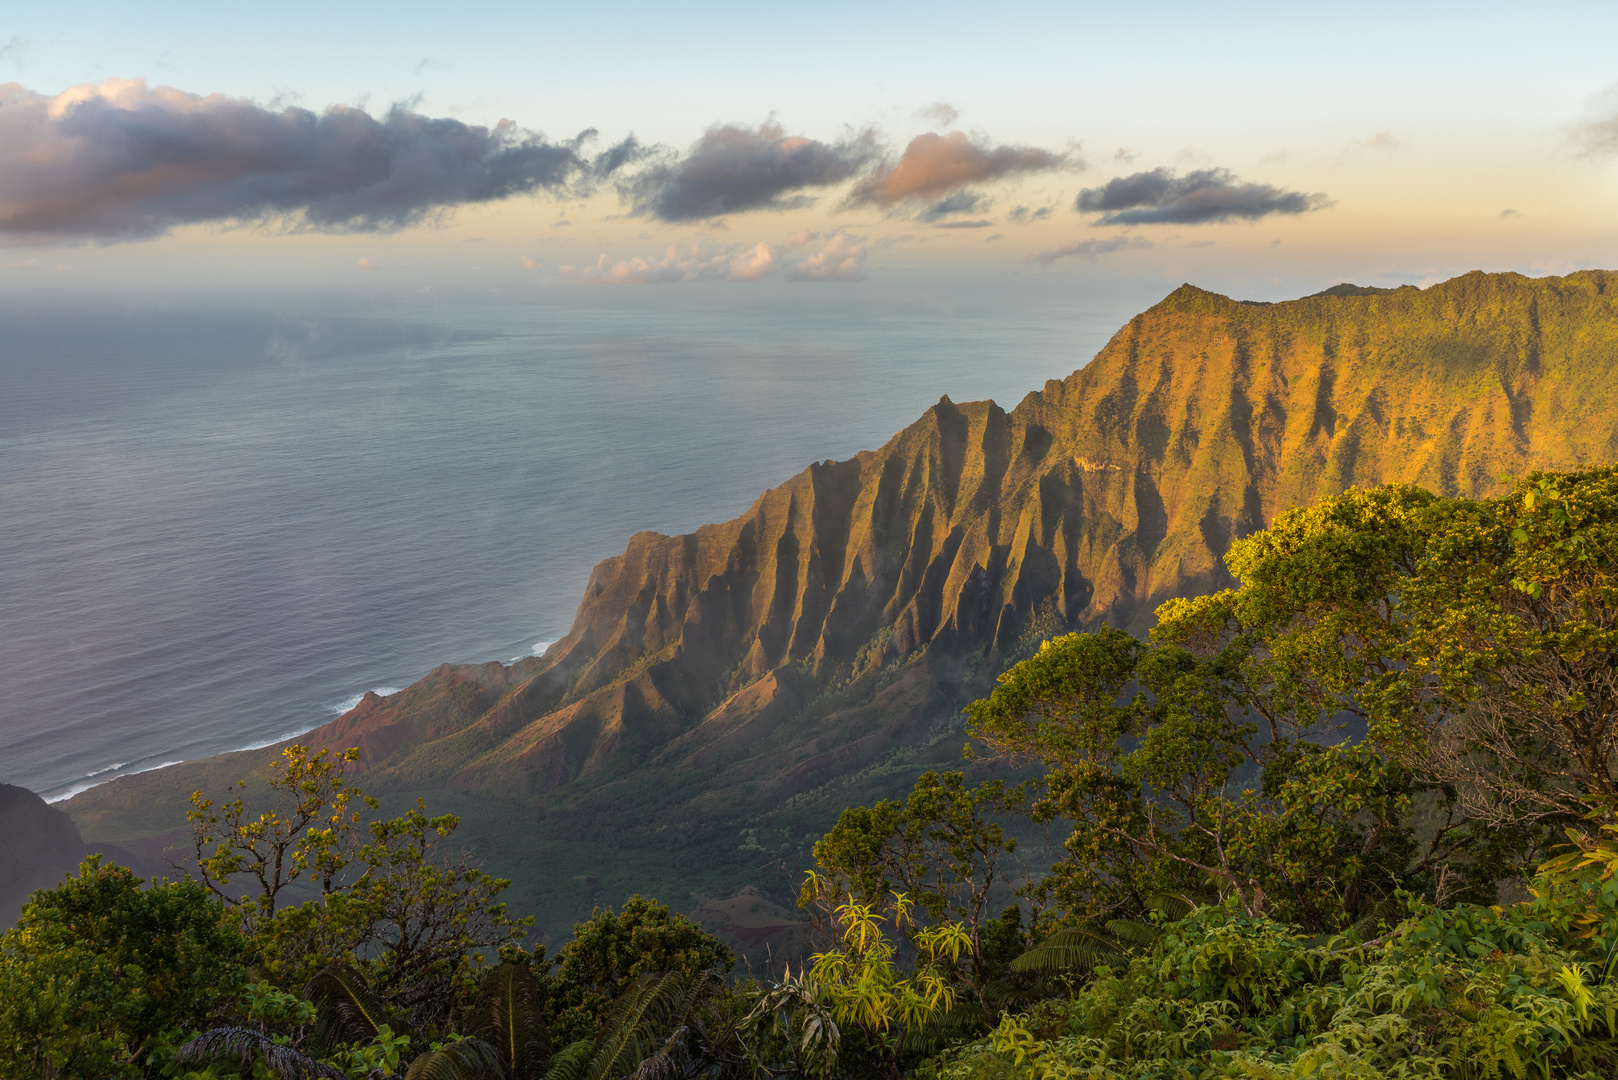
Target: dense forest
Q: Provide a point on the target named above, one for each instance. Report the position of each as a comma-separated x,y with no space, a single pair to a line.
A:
1356,816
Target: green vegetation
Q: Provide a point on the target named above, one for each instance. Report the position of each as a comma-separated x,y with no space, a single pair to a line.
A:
1356,817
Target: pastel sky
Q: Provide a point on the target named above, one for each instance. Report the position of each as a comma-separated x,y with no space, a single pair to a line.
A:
1264,148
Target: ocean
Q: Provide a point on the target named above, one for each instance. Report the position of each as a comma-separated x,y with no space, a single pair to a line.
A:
225,517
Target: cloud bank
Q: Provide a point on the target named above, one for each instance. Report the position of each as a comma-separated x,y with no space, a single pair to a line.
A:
1089,249
122,161
934,165
1202,197
840,258
732,169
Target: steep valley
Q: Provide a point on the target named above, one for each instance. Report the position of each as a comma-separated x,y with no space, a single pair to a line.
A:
722,695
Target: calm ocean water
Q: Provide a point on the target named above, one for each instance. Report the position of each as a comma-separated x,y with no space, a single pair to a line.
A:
221,520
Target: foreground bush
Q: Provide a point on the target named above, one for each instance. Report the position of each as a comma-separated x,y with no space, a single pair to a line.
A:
102,978
1470,992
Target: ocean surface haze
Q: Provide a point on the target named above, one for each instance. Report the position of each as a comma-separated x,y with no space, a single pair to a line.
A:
222,519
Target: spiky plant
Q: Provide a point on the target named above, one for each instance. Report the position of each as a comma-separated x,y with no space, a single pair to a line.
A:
245,1047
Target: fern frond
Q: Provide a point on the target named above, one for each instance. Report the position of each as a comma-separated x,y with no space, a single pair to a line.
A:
244,1047
1071,948
1174,907
571,1062
345,1008
507,1016
469,1059
1133,932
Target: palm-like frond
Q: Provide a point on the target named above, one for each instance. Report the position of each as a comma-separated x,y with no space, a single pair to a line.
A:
244,1047
1133,932
1173,906
345,1008
507,1016
469,1059
1069,949
963,1018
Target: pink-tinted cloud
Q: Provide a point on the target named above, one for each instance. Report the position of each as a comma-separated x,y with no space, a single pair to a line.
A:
842,258
688,262
933,165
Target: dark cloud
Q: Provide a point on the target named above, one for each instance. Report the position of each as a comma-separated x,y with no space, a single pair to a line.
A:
732,169
1022,214
1088,249
1197,198
933,165
962,202
123,161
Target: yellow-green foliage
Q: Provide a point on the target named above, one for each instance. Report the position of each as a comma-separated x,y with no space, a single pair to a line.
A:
1470,993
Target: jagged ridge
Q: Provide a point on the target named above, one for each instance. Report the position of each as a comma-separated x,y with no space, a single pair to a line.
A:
849,610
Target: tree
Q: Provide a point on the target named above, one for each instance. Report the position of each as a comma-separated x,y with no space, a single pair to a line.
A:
1172,789
611,952
1388,655
410,915
310,832
942,849
101,977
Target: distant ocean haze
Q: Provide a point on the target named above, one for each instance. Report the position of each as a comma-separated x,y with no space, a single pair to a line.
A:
223,520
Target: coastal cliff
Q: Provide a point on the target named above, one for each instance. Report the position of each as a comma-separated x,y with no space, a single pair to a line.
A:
749,679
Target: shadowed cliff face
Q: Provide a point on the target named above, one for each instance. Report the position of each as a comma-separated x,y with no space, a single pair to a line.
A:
850,611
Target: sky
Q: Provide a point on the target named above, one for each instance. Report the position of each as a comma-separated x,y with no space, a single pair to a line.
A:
1262,149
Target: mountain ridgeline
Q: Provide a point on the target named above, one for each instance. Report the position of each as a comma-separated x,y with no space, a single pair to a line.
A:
746,681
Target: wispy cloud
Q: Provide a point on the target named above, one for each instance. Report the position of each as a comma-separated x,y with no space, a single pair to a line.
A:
1597,135
1089,249
1022,214
941,113
733,169
933,165
1198,198
123,161
14,52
